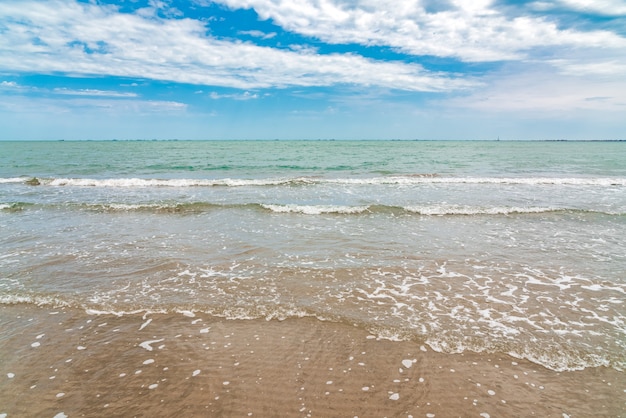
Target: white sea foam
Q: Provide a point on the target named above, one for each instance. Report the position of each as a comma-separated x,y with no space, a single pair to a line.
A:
14,180
142,182
99,312
391,180
148,344
34,300
315,209
443,209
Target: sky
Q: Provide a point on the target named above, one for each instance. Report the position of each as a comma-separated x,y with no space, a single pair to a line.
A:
312,69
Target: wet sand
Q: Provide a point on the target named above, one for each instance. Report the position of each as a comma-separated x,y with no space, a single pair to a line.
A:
63,362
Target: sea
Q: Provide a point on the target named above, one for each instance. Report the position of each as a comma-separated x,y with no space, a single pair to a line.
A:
511,248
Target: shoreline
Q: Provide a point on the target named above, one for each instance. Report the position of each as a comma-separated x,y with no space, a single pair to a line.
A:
66,361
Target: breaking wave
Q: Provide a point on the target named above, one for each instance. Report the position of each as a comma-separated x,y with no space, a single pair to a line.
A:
199,207
242,182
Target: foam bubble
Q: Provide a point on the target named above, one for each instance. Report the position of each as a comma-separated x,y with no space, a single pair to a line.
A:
145,324
146,344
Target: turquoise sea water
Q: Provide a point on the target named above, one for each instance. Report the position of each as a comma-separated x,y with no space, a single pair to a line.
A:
513,247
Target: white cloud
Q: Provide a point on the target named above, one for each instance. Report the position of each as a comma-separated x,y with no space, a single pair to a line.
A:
544,91
243,96
12,85
93,92
9,84
612,68
466,29
31,105
258,34
602,7
86,39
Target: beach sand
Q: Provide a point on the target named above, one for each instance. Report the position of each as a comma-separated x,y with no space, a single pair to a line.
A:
64,362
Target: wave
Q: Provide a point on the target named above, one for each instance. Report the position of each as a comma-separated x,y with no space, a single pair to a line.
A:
14,206
15,180
386,180
428,210
318,209
200,207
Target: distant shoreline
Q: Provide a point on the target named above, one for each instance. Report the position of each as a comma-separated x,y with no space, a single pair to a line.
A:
313,140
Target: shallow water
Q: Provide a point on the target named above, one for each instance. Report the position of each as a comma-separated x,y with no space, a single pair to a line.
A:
507,249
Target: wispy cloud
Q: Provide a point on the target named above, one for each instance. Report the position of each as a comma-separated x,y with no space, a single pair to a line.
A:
543,91
24,104
613,67
14,86
258,34
93,92
602,7
246,95
9,85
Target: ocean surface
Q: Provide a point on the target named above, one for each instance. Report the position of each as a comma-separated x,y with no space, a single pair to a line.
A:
463,246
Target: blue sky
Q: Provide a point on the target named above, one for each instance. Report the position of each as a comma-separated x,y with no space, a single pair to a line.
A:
312,69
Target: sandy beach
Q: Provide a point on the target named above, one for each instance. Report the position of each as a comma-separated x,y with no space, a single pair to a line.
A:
62,362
